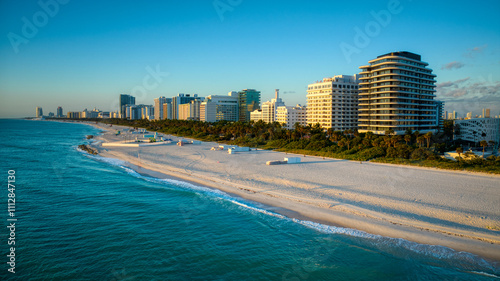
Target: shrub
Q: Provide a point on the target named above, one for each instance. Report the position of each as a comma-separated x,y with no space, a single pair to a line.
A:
371,153
418,154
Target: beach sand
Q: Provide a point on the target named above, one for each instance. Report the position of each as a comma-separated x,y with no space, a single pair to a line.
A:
455,209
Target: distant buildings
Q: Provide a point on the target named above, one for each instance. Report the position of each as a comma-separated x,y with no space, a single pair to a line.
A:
478,129
158,105
333,103
249,100
190,111
94,113
486,113
218,108
141,111
167,110
453,115
439,114
59,112
181,99
38,112
397,92
74,115
125,100
269,108
287,116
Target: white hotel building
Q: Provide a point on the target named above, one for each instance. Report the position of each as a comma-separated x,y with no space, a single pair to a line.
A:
287,116
217,108
267,112
333,103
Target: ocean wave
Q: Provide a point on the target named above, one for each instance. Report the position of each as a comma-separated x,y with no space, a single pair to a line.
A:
463,260
467,261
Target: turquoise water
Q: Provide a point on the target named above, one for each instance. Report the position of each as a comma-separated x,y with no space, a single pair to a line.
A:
82,217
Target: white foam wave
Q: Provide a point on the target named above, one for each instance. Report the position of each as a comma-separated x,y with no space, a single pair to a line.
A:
382,242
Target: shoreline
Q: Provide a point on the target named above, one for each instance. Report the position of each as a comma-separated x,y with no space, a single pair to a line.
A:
486,246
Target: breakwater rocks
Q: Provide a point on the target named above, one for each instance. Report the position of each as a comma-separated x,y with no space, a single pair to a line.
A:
88,149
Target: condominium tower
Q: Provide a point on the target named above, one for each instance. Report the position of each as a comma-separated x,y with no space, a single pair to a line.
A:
59,112
38,112
159,107
125,100
397,92
333,103
249,100
181,99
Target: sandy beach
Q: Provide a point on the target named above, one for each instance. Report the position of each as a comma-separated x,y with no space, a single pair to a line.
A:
454,209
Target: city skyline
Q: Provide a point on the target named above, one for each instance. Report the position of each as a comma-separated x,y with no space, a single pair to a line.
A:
150,50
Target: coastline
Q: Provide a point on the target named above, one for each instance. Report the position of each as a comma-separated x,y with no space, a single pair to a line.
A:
302,205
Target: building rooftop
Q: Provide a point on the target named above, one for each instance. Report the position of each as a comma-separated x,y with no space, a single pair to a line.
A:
403,54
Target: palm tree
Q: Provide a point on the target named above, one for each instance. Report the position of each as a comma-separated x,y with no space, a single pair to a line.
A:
394,140
459,151
407,138
329,132
341,143
369,135
348,142
335,137
484,144
428,137
492,143
420,140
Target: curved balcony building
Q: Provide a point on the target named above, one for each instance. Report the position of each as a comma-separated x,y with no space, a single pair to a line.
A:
396,91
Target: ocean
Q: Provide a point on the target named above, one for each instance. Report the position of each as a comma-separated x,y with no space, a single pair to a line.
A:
84,217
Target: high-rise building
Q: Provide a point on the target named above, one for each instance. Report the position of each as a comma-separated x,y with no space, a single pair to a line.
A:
249,100
439,114
397,92
269,108
469,115
141,111
287,116
125,100
59,112
159,107
167,111
181,99
38,112
147,112
486,113
333,103
183,111
74,115
217,108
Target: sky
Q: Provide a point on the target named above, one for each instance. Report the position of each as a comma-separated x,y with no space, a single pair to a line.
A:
84,54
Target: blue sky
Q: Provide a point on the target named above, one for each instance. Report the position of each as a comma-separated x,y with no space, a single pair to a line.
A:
83,54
